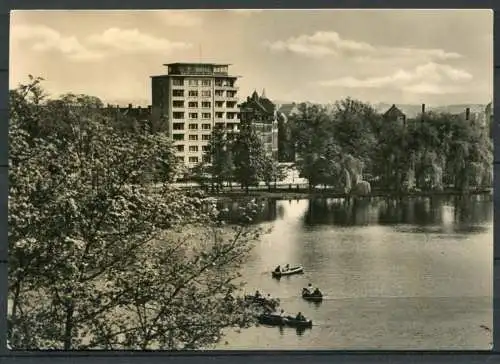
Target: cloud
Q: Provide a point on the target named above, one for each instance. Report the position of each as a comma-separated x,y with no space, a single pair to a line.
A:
132,40
94,47
44,38
431,89
180,18
318,45
323,43
431,78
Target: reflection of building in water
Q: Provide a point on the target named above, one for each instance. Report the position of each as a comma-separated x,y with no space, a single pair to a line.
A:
280,209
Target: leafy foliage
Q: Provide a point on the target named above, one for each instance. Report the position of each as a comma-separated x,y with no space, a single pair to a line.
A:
99,256
249,157
286,148
440,150
272,171
221,157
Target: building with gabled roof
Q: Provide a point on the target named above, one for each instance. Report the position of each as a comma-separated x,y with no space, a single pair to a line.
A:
395,114
261,113
288,109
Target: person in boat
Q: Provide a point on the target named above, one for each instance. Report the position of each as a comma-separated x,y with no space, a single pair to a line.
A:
257,294
278,269
317,292
300,317
310,288
282,313
287,267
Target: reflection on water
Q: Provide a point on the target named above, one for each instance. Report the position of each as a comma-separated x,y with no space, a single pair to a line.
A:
299,331
460,213
413,273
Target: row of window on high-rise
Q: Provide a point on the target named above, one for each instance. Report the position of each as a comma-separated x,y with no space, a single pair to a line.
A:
231,130
191,137
204,104
203,83
180,126
204,93
192,148
193,159
179,115
192,115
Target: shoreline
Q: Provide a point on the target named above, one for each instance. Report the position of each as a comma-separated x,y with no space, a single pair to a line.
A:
304,194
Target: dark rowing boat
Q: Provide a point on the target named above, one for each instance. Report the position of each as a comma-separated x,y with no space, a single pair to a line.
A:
313,297
277,320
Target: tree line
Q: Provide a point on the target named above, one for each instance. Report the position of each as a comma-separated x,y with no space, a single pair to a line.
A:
237,157
97,258
354,146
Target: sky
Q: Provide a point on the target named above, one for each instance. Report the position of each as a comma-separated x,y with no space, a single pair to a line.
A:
435,57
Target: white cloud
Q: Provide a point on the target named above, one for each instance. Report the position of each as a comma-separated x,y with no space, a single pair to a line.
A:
94,47
431,89
431,78
180,18
324,43
309,50
132,40
418,52
43,38
318,45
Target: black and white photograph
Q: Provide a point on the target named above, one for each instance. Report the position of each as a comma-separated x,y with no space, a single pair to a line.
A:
187,180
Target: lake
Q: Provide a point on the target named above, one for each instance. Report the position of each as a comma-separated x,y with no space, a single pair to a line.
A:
414,273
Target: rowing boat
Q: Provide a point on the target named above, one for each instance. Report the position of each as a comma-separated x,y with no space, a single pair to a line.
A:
295,270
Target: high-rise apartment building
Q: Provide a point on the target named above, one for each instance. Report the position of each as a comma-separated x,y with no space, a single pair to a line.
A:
194,98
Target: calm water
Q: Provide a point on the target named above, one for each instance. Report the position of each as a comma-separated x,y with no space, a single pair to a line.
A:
414,274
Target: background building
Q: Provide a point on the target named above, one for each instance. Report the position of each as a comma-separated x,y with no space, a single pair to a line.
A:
288,110
262,114
395,114
194,98
286,147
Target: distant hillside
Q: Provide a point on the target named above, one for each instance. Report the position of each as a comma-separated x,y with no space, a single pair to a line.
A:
412,110
281,102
